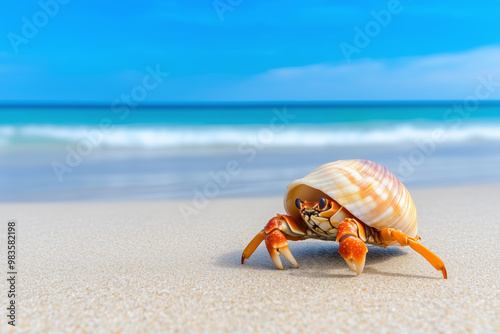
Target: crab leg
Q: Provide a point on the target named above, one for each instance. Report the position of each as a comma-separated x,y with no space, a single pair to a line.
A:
252,246
352,248
388,235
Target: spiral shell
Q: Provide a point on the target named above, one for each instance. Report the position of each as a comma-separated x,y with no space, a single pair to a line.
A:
366,189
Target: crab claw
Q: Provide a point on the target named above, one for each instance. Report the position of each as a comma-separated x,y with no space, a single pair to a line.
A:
351,247
353,250
277,231
277,244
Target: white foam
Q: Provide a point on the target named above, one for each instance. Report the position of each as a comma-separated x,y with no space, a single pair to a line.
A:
296,136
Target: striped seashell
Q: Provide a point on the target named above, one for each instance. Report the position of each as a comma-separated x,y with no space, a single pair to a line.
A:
369,191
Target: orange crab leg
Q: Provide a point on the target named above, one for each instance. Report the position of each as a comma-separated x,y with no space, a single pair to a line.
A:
252,246
388,235
351,247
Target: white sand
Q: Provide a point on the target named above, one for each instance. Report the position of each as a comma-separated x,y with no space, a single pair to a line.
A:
139,267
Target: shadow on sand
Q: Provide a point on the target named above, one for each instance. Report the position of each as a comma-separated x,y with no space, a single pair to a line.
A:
316,259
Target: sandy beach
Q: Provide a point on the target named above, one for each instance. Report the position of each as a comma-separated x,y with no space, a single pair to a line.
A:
139,267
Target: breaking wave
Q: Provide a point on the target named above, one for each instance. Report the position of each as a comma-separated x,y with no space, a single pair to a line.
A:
233,136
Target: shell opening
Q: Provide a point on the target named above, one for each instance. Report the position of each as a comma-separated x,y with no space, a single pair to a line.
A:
301,191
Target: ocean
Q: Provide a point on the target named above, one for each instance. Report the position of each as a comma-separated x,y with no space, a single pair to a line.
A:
68,153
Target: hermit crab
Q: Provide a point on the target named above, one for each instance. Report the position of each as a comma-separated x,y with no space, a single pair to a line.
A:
353,202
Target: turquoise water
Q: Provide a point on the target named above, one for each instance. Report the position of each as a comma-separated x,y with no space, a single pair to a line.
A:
233,114
215,127
101,153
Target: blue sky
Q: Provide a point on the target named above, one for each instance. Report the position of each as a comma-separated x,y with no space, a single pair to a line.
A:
247,50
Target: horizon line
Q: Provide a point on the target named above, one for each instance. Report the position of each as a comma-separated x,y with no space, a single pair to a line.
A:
204,104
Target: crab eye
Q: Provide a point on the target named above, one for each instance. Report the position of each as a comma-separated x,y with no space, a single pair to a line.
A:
298,203
322,203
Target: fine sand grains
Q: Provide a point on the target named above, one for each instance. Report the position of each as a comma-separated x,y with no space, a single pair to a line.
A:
133,267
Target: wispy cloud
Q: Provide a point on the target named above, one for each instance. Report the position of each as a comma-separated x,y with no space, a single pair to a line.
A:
440,76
